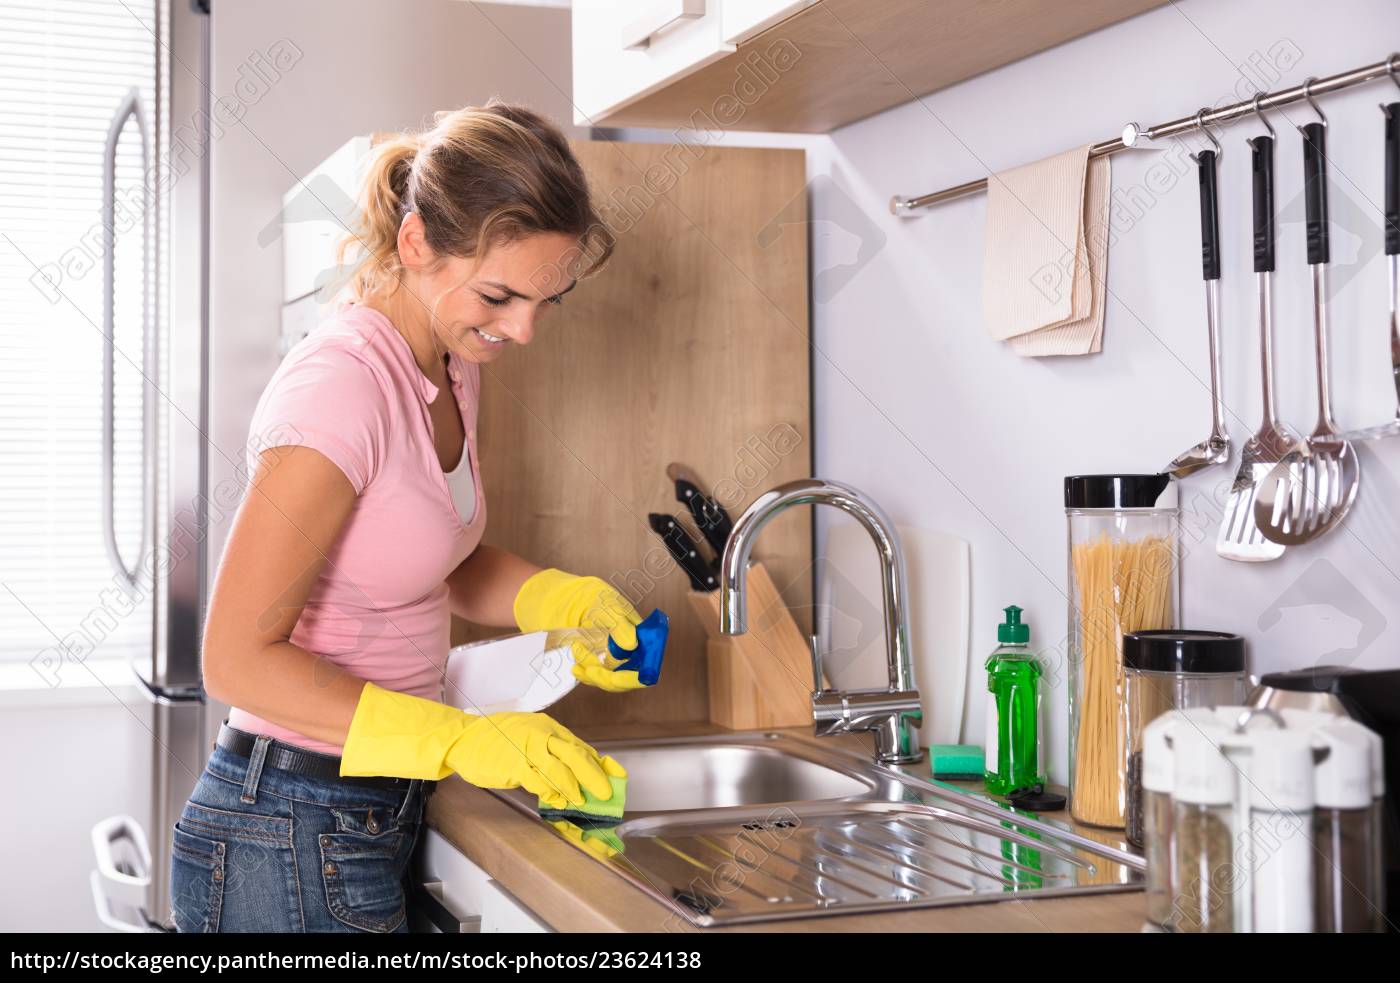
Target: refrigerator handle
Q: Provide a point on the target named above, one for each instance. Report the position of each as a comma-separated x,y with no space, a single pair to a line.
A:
130,107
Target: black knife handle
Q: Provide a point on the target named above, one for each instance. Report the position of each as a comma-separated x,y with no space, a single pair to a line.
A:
1210,216
1392,179
1315,188
710,517
684,551
1263,164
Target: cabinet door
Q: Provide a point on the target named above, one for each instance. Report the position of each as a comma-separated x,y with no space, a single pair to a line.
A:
692,347
743,19
501,912
625,49
468,893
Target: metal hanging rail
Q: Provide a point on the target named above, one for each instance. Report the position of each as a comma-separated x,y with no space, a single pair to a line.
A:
1133,134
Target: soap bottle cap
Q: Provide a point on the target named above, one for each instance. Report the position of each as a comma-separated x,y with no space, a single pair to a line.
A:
1011,631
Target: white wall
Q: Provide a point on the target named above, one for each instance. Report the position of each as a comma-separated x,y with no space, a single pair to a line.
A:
67,766
947,428
915,405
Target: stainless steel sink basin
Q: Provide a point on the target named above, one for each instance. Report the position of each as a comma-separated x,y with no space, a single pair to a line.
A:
676,777
758,827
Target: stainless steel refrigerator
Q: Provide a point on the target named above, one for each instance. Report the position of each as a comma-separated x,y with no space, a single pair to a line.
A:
166,556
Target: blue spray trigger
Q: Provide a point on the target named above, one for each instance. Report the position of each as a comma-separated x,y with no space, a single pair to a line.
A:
646,658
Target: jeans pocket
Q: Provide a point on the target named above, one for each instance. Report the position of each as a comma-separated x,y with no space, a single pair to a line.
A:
196,882
363,874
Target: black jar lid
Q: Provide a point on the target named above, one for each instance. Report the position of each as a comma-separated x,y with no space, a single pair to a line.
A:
1183,651
1120,491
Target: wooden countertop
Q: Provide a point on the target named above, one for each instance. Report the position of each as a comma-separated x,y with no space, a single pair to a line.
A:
574,892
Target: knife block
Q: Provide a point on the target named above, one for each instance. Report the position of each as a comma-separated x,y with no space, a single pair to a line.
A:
762,678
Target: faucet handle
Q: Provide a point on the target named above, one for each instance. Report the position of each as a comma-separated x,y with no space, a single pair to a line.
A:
817,663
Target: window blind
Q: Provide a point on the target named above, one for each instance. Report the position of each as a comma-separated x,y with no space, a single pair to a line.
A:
65,67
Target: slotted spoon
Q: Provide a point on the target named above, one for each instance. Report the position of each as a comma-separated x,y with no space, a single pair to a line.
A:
1311,490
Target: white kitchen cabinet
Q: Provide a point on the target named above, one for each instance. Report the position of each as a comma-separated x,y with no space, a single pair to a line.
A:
502,912
472,899
626,49
316,211
743,19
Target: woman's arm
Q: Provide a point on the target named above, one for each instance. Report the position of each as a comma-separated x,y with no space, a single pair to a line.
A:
484,586
298,503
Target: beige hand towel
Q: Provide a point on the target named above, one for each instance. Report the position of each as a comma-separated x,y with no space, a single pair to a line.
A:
1046,254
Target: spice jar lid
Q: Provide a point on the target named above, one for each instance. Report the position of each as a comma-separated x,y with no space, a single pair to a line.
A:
1281,772
1183,651
1344,774
1202,774
1120,491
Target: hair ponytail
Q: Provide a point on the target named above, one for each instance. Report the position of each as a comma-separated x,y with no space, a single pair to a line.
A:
480,176
381,212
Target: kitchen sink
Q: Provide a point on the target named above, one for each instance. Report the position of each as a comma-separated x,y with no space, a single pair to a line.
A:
686,776
762,826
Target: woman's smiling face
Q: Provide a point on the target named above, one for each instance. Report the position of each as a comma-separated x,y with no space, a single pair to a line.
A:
486,303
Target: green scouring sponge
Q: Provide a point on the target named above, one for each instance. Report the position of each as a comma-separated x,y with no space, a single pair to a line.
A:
594,812
957,762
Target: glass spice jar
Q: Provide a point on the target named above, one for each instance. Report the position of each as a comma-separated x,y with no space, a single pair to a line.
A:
1174,670
1348,894
1203,833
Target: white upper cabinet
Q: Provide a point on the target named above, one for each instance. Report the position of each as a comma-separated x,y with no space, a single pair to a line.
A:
627,49
742,19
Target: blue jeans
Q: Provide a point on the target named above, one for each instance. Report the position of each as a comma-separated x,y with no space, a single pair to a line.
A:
263,850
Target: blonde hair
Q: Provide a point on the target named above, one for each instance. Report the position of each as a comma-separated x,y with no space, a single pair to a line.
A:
483,175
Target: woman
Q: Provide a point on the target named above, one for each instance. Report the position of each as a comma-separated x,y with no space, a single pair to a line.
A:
328,627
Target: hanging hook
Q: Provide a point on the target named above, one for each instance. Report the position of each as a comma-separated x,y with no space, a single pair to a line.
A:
1307,94
1201,125
1254,106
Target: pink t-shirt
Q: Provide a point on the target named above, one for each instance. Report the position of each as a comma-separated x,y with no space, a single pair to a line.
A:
379,609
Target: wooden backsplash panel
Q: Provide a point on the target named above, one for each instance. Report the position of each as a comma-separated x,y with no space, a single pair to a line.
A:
691,346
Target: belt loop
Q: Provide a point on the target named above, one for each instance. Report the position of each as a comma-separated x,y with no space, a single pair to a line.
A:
255,767
413,785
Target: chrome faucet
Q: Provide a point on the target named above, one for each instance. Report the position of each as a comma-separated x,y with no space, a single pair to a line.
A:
891,713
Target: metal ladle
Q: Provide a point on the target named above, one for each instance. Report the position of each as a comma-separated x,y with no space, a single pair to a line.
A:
1215,449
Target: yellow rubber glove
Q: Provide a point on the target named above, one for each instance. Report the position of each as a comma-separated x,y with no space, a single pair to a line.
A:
555,599
401,736
602,843
596,666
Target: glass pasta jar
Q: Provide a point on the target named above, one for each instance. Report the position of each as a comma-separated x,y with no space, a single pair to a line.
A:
1123,577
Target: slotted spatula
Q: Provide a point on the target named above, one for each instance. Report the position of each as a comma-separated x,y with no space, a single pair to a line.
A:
1240,538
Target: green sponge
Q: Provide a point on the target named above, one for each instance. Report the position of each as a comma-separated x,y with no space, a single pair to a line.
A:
594,812
957,762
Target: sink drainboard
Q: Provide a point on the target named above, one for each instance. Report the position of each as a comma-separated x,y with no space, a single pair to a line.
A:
902,844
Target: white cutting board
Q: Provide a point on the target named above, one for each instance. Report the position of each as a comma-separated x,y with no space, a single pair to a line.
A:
850,619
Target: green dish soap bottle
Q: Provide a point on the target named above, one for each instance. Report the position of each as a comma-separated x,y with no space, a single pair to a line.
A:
1012,746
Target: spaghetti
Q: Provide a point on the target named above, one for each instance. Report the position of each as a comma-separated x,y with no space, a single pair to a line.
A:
1122,586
